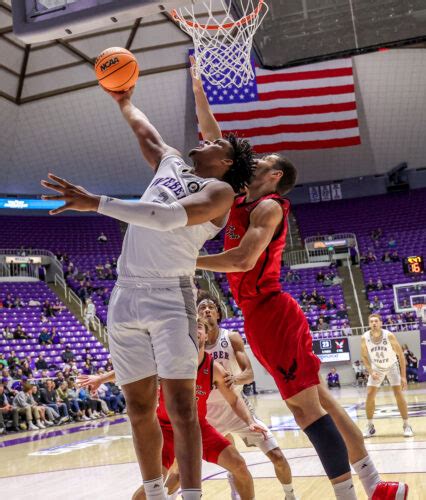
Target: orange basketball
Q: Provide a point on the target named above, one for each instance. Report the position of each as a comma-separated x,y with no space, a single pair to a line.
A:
117,69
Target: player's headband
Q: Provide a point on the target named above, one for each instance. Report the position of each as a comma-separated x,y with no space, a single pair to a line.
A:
208,302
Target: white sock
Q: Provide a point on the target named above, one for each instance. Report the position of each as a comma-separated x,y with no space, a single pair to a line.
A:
154,489
191,494
289,491
174,495
405,421
370,422
345,490
367,474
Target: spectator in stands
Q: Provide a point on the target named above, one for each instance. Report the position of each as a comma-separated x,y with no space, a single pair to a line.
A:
105,394
386,257
44,376
12,360
321,325
49,397
376,305
376,234
56,338
304,297
379,285
347,330
3,362
314,297
371,286
331,305
320,277
60,378
89,314
43,319
26,370
86,355
341,312
394,256
333,379
45,337
88,368
116,391
83,292
48,309
360,374
47,415
68,356
7,411
291,277
405,304
108,365
353,254
18,304
19,333
31,362
58,307
78,406
105,295
93,406
109,275
412,364
392,242
7,333
8,302
105,410
26,405
102,238
41,363
370,257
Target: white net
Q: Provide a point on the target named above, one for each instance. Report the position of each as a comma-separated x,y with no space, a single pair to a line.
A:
222,45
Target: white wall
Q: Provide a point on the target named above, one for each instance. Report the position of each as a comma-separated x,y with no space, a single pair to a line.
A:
82,136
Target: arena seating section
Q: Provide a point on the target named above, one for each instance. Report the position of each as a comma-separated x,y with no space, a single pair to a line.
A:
400,216
70,330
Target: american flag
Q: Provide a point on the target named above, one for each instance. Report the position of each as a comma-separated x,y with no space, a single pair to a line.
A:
306,107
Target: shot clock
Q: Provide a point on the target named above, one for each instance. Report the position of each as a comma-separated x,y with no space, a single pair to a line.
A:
414,265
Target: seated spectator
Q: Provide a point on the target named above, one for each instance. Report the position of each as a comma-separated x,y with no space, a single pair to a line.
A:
47,309
370,257
26,370
19,333
93,406
291,277
360,373
105,295
9,302
47,415
18,304
347,330
304,297
68,356
320,277
341,312
386,257
376,305
379,284
26,405
394,257
78,406
41,363
371,286
102,238
49,397
314,297
376,234
109,275
88,368
12,360
56,338
108,366
58,307
7,412
45,337
60,378
333,379
105,394
392,242
3,362
331,304
322,325
44,376
7,333
87,355
108,264
116,391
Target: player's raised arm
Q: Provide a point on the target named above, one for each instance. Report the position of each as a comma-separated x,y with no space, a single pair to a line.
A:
235,400
151,143
209,127
264,221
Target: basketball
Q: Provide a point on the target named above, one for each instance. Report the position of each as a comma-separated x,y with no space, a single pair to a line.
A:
117,69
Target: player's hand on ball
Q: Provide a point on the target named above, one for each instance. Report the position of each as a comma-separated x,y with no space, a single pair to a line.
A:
255,427
75,197
120,96
403,383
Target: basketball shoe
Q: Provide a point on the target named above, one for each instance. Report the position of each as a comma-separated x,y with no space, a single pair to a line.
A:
390,491
408,431
369,431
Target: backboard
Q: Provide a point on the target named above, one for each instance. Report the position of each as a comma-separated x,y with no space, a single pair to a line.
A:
408,295
42,20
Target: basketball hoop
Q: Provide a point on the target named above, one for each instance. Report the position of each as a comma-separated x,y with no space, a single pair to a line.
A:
223,48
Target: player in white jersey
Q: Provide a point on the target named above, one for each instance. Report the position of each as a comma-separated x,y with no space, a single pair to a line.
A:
227,348
152,314
380,351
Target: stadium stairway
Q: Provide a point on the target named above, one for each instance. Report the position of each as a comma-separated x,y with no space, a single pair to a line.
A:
349,294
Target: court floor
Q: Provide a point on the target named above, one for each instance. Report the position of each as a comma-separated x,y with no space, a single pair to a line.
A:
96,460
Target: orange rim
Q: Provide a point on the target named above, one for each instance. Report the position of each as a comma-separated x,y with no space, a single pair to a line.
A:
226,26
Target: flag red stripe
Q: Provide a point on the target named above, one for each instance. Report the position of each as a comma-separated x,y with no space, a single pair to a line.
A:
303,75
294,94
324,144
294,128
296,111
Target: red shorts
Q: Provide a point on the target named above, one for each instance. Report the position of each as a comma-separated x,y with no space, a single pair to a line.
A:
279,336
212,441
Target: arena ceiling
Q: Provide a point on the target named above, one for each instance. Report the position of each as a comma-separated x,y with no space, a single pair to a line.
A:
32,72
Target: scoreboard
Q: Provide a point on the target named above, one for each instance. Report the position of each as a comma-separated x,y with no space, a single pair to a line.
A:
414,265
332,350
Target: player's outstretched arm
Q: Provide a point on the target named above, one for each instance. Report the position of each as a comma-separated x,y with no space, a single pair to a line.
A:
401,358
151,143
209,127
264,221
211,203
235,400
95,381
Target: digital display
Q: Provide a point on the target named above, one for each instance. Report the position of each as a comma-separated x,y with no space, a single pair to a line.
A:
28,204
413,265
332,350
17,259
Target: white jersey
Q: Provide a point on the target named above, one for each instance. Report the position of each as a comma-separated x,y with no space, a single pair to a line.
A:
148,253
382,356
222,352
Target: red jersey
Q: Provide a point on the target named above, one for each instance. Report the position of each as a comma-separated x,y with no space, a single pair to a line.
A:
204,385
265,276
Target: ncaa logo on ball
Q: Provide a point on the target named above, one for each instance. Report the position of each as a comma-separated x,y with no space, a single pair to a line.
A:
109,63
224,343
193,187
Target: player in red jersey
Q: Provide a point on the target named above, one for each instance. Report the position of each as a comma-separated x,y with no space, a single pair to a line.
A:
216,448
275,325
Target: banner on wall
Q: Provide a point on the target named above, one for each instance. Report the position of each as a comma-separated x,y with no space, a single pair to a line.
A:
314,194
336,191
325,193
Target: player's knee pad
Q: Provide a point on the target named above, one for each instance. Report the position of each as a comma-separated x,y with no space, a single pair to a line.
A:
330,446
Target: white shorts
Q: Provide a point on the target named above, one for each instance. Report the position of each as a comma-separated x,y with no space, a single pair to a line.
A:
393,374
223,419
152,329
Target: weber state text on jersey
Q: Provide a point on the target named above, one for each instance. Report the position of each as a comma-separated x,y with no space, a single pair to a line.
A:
265,275
381,354
159,254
